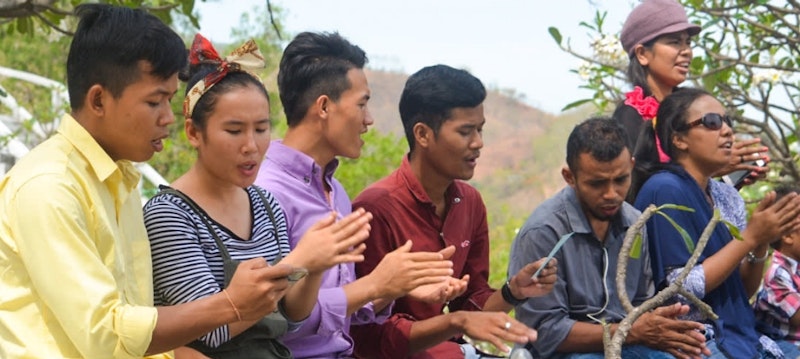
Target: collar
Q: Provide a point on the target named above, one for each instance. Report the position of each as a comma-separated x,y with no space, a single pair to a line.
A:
580,224
418,191
100,162
298,164
784,261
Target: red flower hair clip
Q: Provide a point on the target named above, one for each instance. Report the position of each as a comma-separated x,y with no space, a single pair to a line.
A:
647,106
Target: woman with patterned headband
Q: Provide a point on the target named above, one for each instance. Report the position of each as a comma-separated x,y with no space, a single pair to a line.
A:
213,216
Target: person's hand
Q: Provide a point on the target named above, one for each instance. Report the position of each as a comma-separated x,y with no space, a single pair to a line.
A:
523,286
661,330
450,288
493,327
771,219
442,292
256,287
401,271
329,242
743,152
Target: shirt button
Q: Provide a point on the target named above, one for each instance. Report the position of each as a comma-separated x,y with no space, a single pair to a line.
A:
306,179
456,200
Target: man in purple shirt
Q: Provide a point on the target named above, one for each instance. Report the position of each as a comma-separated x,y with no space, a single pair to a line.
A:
324,93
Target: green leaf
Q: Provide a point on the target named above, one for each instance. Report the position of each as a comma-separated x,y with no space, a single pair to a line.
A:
636,248
733,229
587,25
686,239
575,104
675,206
555,34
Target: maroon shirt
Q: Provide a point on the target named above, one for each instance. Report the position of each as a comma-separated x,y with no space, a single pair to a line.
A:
402,210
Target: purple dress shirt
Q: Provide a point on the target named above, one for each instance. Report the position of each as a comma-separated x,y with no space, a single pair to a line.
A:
296,181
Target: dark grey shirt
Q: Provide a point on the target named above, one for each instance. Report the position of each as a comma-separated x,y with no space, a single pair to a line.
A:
579,291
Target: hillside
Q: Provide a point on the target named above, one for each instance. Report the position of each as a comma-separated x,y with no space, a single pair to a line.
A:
523,152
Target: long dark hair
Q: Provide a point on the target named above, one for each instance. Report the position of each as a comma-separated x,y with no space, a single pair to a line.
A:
671,116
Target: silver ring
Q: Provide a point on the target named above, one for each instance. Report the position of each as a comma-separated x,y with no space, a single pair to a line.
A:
507,326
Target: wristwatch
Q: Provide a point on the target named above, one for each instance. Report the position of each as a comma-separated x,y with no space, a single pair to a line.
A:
508,297
751,258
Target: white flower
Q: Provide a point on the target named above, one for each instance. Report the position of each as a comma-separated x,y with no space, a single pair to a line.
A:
772,76
608,50
585,70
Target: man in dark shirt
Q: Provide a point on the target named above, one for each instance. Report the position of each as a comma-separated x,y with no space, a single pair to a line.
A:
427,202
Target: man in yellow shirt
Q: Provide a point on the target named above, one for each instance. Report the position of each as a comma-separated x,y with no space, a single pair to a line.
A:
75,270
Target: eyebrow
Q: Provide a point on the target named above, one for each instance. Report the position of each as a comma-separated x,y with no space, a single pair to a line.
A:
162,92
240,122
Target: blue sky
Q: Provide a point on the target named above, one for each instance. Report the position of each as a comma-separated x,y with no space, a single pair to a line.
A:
505,42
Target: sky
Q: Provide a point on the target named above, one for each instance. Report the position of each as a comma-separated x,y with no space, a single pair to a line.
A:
505,43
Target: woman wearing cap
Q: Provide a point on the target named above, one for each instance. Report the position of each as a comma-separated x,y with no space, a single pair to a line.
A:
657,37
213,216
694,132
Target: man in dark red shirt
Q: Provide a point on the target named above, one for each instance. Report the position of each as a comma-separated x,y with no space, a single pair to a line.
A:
427,202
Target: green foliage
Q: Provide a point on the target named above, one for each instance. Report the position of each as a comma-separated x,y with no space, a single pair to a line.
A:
746,55
380,155
57,18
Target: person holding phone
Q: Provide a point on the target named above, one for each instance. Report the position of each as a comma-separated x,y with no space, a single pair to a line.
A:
213,216
592,213
693,130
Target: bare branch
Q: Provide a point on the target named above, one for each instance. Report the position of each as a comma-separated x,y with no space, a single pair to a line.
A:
52,25
272,21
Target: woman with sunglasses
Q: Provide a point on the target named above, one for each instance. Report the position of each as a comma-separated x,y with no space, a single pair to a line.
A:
692,131
212,216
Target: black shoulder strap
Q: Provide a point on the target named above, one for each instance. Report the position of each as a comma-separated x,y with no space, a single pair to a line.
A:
271,219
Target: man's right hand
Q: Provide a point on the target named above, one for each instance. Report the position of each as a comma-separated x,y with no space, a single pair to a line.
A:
493,327
661,330
401,271
256,287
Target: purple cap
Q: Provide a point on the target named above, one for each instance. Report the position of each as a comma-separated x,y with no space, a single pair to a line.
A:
653,18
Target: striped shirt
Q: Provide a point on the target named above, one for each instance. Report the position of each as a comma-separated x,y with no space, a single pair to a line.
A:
187,264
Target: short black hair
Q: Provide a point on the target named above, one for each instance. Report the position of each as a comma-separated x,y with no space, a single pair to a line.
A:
108,45
602,137
431,94
312,65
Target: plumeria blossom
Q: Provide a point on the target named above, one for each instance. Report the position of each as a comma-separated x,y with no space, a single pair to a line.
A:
771,76
608,49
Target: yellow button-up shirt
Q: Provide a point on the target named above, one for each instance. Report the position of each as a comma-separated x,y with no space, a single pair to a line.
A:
75,267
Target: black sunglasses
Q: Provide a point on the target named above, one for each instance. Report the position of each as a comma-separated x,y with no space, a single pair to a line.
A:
711,121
